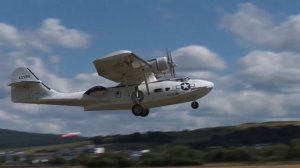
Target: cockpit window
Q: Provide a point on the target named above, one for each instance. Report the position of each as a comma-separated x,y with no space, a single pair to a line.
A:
96,91
158,90
182,79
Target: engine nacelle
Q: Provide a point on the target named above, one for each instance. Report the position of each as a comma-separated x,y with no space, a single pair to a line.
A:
96,91
160,66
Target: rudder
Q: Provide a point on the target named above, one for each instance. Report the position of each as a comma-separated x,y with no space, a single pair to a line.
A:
26,86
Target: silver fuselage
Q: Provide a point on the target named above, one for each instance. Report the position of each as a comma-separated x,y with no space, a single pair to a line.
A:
159,93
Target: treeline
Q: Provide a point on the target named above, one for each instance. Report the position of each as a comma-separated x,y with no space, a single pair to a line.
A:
204,138
185,156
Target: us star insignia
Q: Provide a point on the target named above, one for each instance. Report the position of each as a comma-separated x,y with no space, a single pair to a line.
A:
185,86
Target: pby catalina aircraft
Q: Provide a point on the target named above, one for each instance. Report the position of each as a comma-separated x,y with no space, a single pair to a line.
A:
141,86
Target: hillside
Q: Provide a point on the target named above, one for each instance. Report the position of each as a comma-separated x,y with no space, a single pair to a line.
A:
17,139
249,134
246,143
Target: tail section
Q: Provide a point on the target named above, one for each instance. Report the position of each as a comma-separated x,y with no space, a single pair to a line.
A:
26,87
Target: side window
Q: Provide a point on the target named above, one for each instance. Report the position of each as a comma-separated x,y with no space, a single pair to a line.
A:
167,89
118,94
158,90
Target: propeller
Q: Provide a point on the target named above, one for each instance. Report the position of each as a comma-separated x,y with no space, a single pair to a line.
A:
171,64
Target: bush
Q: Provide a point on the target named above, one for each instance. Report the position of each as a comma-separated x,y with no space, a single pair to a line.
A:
57,161
107,160
215,156
176,156
231,155
294,150
183,161
239,154
273,153
2,160
183,151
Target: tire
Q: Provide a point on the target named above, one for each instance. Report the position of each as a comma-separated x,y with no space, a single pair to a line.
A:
195,105
145,113
137,109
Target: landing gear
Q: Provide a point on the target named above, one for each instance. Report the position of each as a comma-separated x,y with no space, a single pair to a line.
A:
138,110
145,113
195,105
137,98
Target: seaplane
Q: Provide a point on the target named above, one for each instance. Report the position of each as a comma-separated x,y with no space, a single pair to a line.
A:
141,85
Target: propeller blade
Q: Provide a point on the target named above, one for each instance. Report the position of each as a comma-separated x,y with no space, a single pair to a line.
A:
173,72
171,63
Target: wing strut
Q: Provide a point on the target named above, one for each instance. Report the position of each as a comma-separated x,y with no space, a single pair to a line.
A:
126,83
146,82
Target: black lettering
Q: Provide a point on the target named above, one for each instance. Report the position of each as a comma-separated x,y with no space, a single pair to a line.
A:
24,76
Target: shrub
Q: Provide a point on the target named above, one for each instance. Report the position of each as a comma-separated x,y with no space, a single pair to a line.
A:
57,161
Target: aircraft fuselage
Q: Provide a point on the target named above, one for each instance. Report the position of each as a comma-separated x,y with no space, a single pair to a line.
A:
161,93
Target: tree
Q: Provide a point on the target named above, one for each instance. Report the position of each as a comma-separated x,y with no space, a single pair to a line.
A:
57,161
2,160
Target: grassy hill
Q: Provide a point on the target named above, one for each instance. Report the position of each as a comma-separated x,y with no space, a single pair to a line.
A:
17,139
249,134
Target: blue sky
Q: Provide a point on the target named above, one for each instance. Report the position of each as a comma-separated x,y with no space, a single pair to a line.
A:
141,26
249,49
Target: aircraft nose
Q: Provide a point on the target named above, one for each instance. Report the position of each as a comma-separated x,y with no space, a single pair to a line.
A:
209,84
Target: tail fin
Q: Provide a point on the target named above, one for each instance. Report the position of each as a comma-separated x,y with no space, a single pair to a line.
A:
26,87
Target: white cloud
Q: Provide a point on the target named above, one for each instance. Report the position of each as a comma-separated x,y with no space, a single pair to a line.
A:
54,59
275,71
245,103
9,36
53,32
196,58
256,26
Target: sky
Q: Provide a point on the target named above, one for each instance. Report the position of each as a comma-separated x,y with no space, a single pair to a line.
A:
250,50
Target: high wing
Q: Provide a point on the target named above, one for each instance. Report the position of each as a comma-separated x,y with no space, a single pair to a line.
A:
124,67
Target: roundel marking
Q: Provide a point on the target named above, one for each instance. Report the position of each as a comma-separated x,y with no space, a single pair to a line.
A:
185,86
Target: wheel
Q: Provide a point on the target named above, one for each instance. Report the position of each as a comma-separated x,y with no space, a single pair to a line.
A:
137,109
145,113
195,105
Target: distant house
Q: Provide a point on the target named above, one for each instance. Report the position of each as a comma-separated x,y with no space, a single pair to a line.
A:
135,155
42,157
99,150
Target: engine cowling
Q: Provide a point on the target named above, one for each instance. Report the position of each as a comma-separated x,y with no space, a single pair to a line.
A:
96,91
160,66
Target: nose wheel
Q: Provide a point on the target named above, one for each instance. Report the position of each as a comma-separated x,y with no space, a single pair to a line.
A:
195,105
138,110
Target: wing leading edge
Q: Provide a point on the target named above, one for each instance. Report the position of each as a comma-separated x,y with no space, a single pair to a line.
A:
124,67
